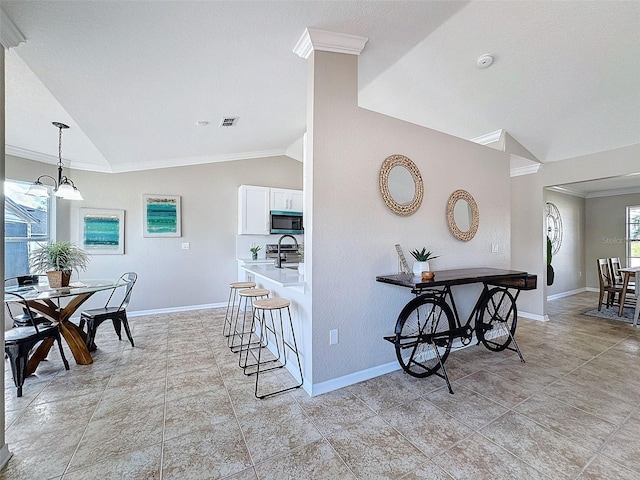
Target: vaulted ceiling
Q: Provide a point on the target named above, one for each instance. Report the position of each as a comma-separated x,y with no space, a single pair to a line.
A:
133,78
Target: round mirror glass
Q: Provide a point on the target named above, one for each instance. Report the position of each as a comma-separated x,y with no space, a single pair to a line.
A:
401,185
462,215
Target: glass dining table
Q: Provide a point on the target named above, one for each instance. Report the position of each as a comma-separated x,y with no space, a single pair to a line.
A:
58,305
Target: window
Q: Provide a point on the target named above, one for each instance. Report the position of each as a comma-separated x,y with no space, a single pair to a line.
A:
27,222
633,236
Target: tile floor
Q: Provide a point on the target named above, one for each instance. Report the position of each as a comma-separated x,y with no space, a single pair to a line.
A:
177,406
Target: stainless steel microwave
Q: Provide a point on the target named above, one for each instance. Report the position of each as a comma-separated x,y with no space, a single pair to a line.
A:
286,222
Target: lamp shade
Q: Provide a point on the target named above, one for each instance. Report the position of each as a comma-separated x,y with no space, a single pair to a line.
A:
74,195
64,191
38,190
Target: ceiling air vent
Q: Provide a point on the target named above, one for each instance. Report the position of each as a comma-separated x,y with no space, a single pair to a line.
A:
229,121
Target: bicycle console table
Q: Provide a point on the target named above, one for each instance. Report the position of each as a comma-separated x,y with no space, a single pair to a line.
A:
428,325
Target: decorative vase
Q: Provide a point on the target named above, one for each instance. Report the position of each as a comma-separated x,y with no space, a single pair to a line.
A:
254,256
419,267
59,278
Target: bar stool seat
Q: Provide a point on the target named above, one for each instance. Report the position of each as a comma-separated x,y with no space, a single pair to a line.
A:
244,335
234,287
275,308
271,303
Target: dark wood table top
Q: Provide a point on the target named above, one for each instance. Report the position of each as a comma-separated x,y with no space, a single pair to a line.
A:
452,277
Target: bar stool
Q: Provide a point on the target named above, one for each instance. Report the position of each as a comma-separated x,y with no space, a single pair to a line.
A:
248,295
228,316
260,308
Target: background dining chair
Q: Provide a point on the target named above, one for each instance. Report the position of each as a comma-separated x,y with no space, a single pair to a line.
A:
614,265
22,320
636,313
607,285
118,315
19,341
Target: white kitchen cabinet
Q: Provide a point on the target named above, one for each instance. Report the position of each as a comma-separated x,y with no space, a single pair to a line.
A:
253,210
286,200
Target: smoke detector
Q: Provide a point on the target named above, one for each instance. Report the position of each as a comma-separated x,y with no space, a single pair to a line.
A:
229,121
484,61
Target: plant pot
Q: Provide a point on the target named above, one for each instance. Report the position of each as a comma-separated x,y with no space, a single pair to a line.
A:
419,267
551,275
254,256
59,278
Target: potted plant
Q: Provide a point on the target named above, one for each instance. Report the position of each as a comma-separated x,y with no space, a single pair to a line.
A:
422,260
254,252
57,260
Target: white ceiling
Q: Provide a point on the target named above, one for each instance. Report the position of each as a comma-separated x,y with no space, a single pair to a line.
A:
132,78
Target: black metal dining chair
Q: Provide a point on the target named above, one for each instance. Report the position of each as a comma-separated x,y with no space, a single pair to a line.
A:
118,315
19,341
26,281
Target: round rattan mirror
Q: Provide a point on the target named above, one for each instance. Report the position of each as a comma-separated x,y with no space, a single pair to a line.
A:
401,185
462,215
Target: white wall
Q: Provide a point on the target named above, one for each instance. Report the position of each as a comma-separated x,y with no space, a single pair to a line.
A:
169,276
528,242
353,233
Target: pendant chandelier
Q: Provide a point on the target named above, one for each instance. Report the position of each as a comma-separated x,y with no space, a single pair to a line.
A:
63,187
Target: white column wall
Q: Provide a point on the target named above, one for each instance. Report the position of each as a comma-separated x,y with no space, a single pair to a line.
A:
353,233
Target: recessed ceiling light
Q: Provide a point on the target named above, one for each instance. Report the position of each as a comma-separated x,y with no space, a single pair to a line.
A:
484,61
202,123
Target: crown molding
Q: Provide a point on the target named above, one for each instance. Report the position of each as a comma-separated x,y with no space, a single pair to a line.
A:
528,170
567,191
488,138
10,36
151,165
201,160
324,41
613,193
523,166
30,154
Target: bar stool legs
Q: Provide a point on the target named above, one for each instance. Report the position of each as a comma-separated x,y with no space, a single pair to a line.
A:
261,307
231,303
240,332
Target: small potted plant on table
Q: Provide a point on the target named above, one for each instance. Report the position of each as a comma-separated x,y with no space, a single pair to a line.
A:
422,260
57,260
254,252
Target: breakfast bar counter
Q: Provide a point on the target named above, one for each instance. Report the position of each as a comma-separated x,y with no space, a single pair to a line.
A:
284,277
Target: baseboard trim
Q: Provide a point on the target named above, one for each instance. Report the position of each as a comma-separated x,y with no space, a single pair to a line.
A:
185,308
591,289
555,296
534,316
353,378
5,455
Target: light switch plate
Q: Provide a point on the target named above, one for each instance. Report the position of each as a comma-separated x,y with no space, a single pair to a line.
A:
185,245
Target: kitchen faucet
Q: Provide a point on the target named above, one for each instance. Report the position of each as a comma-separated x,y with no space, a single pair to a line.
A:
278,259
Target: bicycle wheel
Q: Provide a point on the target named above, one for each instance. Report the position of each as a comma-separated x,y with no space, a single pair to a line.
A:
415,347
497,319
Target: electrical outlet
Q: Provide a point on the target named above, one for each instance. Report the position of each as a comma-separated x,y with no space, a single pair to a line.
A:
185,246
333,336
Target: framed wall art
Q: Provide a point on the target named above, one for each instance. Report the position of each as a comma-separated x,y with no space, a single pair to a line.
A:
161,215
102,231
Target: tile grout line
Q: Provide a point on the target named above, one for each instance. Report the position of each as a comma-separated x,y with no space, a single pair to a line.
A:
164,410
